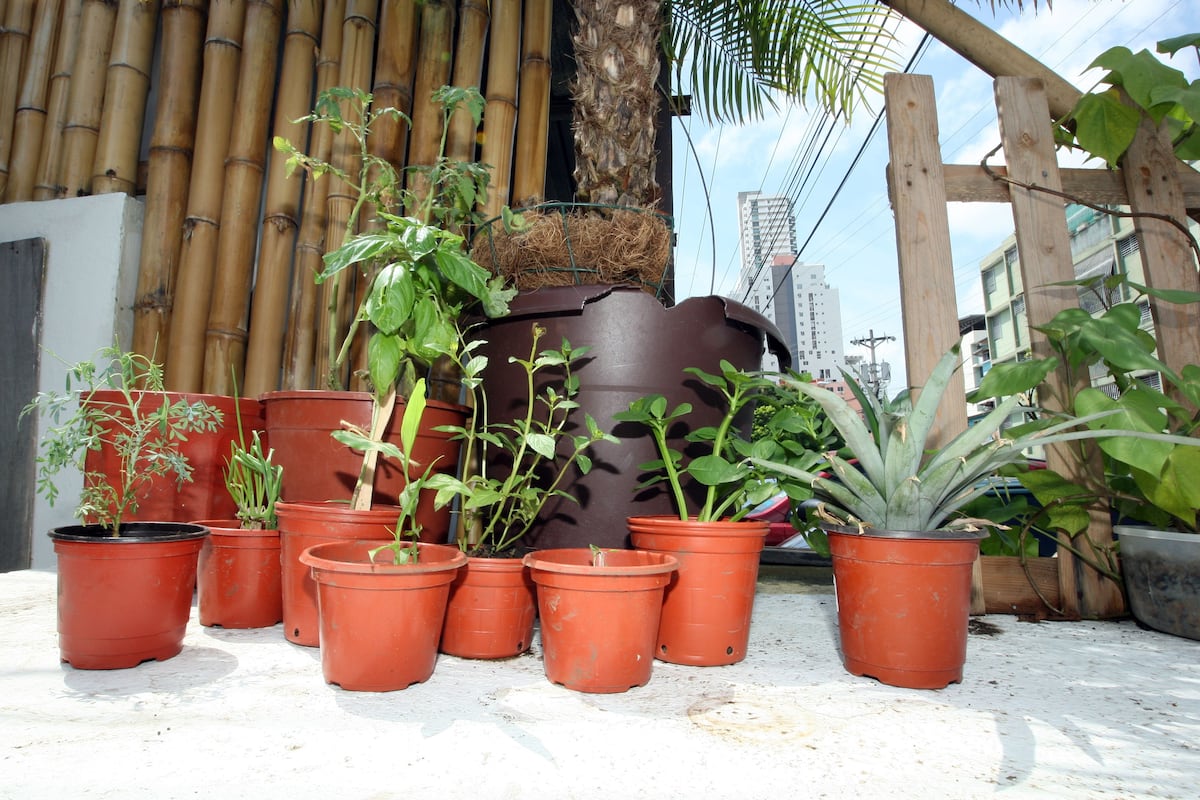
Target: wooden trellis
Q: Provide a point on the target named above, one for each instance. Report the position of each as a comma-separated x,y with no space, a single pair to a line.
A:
920,185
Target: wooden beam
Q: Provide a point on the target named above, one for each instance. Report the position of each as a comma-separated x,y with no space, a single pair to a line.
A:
969,183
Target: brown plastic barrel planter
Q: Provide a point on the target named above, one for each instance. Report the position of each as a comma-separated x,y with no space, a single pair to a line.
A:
639,347
904,601
707,607
302,525
122,601
380,622
239,577
491,610
599,623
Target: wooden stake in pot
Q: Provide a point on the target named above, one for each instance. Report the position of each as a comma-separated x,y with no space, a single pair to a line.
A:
127,87
225,339
222,56
31,106
169,173
85,100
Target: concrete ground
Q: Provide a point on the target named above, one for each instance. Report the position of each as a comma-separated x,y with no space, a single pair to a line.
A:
1064,710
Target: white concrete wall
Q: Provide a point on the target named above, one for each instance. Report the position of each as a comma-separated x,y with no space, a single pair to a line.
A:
92,252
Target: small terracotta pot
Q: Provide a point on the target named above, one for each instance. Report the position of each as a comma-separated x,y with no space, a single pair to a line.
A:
599,624
302,525
239,580
707,607
904,601
380,622
491,611
122,601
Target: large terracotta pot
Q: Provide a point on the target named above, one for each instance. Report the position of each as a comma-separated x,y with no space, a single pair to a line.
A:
302,525
491,610
122,601
163,499
380,622
239,580
317,468
638,348
707,607
904,601
1161,570
599,623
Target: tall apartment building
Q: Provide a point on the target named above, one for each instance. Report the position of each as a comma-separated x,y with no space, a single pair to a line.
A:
794,296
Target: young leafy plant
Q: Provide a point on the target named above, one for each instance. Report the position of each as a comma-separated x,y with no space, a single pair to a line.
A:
143,427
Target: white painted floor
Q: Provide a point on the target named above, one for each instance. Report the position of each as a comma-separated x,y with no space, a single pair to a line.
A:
1063,710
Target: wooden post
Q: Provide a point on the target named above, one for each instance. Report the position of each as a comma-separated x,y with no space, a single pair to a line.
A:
1045,258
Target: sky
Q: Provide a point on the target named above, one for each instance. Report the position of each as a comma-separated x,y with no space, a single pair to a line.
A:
855,237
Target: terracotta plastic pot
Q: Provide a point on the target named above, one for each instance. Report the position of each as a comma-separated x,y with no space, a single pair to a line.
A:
122,601
380,622
904,601
238,583
302,525
205,496
638,347
491,610
599,624
707,607
316,468
1161,570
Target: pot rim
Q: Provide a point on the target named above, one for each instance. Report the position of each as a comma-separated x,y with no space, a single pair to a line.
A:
1150,532
312,557
156,532
940,535
577,561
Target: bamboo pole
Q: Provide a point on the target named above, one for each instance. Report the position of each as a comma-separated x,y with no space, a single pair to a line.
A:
281,220
474,18
170,171
500,113
14,42
30,119
533,113
225,339
197,255
85,101
47,184
433,72
126,89
358,47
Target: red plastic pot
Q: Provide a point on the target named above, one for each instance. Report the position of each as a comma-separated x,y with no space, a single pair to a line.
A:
317,468
205,496
904,601
122,601
491,610
380,622
707,607
599,623
302,525
239,580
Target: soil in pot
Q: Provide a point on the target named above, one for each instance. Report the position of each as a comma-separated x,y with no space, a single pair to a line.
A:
124,600
380,622
1161,570
239,580
599,623
904,601
707,606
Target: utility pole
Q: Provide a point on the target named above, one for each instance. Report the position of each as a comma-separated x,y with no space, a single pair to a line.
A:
873,380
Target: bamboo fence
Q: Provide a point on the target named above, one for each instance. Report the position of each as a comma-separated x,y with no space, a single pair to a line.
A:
231,242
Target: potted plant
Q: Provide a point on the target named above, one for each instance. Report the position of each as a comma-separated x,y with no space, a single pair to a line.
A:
600,612
419,283
902,556
707,608
381,615
239,579
492,601
124,587
1152,486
